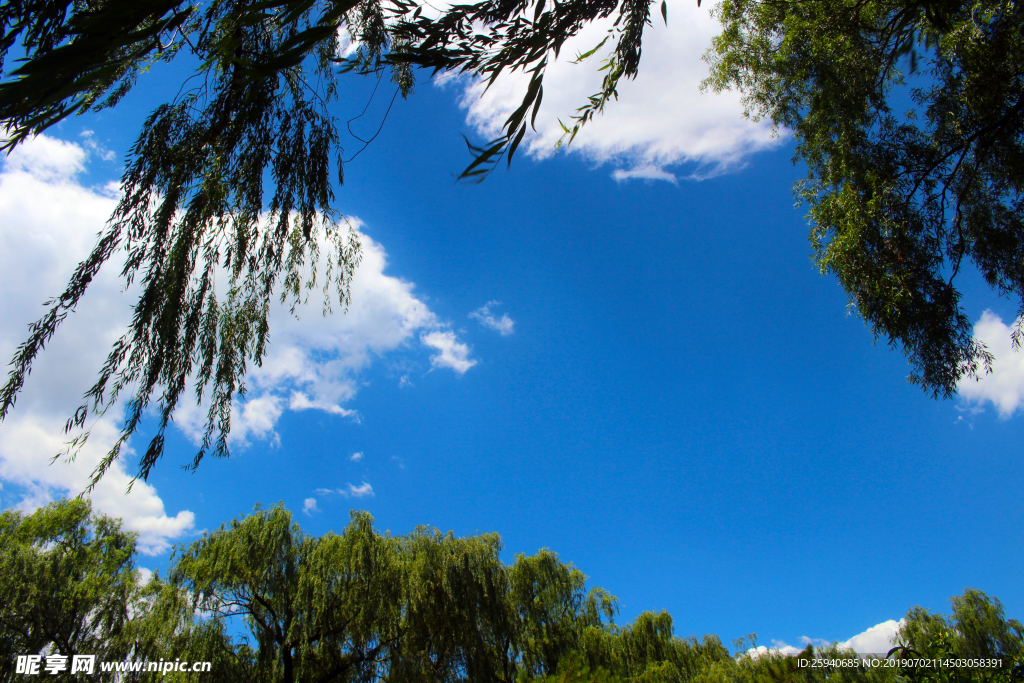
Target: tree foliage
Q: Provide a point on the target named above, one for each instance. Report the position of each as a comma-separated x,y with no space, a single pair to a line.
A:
195,207
978,628
900,202
361,606
67,581
489,38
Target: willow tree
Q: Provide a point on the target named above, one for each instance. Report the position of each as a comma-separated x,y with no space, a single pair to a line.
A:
68,584
194,197
909,115
976,629
69,589
365,606
362,607
555,613
898,204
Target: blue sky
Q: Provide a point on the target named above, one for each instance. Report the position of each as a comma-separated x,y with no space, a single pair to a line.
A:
622,353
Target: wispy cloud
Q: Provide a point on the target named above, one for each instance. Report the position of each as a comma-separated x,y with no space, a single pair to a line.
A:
648,173
356,457
1004,386
504,324
309,506
817,642
362,491
89,140
349,491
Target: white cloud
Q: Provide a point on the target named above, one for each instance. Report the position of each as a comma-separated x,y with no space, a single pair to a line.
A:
258,417
361,491
96,148
301,401
364,490
648,173
778,648
356,457
317,361
505,325
309,506
878,639
346,45
28,441
451,352
1004,386
48,222
817,642
661,118
143,575
47,160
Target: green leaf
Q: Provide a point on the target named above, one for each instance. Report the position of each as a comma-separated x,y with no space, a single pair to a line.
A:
515,144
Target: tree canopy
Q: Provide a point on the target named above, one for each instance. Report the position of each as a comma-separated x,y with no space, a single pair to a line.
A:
362,606
67,580
899,203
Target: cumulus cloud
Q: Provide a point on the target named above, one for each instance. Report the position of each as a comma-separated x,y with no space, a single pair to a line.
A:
29,441
47,160
314,362
778,648
878,640
660,119
451,353
49,221
309,506
1004,386
504,324
356,457
143,575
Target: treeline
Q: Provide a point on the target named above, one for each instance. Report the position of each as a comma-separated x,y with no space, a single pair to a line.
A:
363,606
